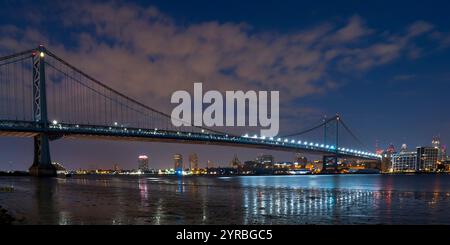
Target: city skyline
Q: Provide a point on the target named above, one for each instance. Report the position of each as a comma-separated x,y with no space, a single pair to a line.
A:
374,89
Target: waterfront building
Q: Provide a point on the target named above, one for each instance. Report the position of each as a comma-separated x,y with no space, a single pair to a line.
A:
265,159
193,161
178,162
235,163
427,158
404,161
143,163
59,168
300,160
209,164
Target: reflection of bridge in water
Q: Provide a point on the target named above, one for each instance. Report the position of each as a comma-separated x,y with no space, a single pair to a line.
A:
47,98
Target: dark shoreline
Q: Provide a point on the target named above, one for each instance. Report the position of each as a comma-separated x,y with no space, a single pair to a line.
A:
5,217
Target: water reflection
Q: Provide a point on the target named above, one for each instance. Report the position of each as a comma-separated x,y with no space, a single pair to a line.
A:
373,199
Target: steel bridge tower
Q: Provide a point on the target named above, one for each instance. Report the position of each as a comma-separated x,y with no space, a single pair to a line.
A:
42,164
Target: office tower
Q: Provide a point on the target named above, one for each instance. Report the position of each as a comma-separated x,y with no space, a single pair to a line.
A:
404,161
193,161
178,162
143,163
427,158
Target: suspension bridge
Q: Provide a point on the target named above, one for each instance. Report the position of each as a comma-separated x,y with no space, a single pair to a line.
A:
46,98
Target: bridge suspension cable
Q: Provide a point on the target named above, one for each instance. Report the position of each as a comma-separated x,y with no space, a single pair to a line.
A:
353,135
324,122
124,101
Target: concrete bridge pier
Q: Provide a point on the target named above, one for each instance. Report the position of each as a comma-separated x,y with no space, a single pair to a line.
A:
42,164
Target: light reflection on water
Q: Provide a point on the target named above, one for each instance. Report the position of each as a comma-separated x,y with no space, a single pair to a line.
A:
344,199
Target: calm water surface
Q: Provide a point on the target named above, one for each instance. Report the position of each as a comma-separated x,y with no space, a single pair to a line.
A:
324,199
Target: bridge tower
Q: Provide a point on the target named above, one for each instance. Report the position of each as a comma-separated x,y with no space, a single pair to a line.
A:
330,162
42,164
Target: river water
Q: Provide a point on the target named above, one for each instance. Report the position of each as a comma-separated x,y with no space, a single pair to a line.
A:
313,199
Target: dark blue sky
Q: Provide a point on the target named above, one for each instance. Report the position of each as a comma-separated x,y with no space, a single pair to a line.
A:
399,98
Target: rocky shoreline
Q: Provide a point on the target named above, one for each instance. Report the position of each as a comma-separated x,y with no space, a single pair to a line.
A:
5,217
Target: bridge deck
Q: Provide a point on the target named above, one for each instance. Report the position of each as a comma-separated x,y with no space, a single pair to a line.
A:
30,129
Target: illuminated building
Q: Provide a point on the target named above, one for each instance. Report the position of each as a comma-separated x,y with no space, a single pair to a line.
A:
300,160
235,163
436,143
265,159
427,158
404,148
390,150
209,164
404,161
143,163
193,161
59,168
178,162
443,153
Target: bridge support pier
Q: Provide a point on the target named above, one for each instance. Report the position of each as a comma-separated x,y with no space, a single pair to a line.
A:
42,164
330,164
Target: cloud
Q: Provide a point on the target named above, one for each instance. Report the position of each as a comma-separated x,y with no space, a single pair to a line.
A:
404,77
148,55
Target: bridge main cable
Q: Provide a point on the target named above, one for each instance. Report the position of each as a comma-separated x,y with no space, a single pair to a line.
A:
48,52
313,128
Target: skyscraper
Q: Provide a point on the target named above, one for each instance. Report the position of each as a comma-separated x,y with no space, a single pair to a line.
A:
427,158
178,162
143,163
193,161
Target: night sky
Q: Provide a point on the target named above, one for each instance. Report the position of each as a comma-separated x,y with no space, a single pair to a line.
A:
383,66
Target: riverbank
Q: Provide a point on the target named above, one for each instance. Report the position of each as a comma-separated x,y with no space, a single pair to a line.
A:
5,217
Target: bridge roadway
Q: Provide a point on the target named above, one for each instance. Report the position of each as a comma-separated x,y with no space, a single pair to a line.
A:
62,130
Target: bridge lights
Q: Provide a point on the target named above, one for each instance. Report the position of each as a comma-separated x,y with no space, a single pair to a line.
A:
321,145
299,142
54,122
327,146
115,123
292,141
279,139
41,54
286,140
